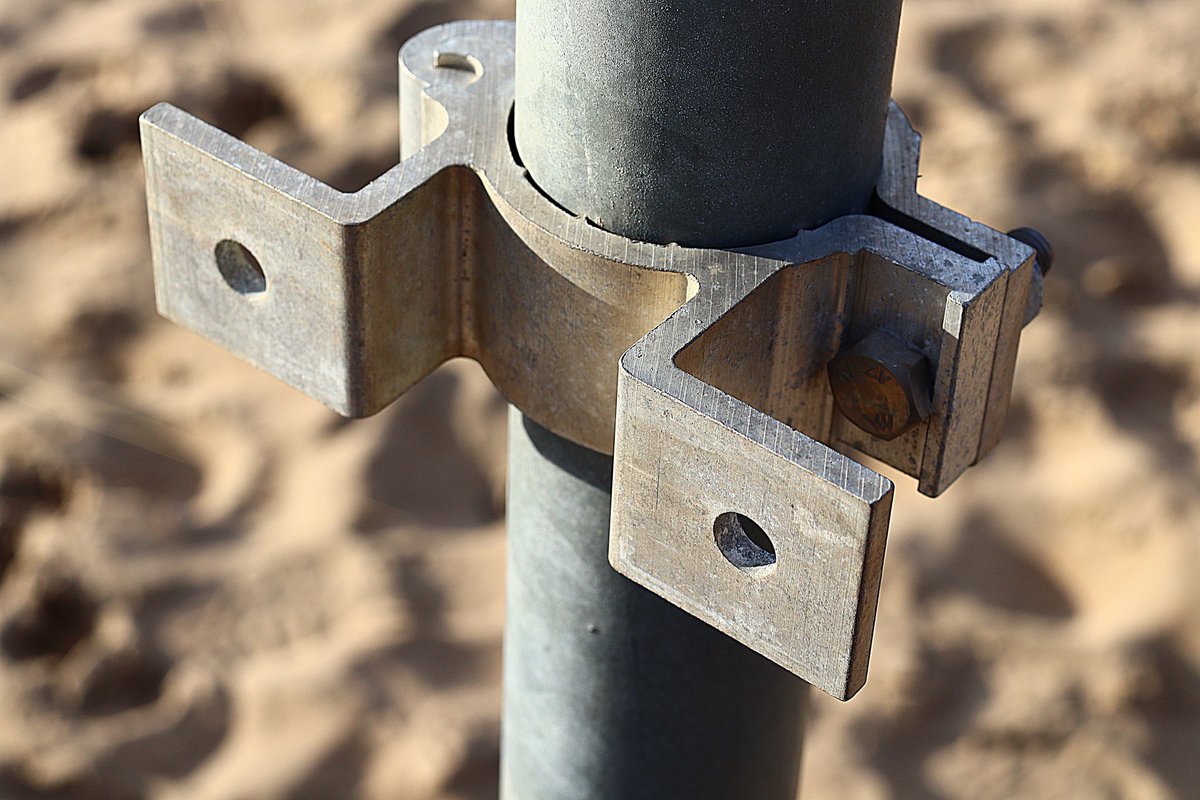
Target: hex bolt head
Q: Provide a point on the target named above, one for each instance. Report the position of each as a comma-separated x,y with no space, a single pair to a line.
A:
882,385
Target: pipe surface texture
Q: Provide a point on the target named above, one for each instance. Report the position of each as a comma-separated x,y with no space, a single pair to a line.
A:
611,692
710,124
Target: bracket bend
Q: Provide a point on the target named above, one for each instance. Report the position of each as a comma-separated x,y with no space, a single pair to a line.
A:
704,371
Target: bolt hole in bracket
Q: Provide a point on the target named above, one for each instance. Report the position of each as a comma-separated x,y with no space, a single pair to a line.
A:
239,268
705,372
744,543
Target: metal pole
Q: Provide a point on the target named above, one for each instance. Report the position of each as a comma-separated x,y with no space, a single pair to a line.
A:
712,125
702,122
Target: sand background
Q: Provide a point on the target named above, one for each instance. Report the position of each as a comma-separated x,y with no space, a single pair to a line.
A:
211,587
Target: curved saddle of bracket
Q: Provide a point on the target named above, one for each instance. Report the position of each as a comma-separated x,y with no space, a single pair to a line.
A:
719,408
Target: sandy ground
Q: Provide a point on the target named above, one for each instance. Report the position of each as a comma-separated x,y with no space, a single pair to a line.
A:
211,587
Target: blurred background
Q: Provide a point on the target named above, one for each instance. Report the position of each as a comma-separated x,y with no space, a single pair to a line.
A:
211,587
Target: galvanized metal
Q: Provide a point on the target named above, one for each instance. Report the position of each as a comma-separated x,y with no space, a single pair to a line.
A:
719,403
710,125
611,691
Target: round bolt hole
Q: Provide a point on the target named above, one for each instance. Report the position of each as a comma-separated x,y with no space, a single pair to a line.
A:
744,543
466,67
240,268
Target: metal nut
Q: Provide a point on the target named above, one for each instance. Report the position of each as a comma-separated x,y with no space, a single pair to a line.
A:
882,385
1040,244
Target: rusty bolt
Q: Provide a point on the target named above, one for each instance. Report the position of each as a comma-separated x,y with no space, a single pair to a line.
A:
882,385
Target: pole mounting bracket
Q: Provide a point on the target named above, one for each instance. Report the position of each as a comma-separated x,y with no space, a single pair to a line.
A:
707,373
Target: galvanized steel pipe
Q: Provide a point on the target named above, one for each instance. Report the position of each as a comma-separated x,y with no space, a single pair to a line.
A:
710,124
704,122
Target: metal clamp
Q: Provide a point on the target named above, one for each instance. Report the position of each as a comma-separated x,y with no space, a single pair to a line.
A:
705,372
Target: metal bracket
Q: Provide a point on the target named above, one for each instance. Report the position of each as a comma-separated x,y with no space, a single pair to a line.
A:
717,410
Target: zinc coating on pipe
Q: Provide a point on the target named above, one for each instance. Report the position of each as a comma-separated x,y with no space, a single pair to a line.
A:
609,690
704,122
710,124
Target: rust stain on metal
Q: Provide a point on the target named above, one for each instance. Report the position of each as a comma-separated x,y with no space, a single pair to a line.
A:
882,385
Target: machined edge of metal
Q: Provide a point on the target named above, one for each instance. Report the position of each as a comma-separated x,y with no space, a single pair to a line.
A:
720,402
